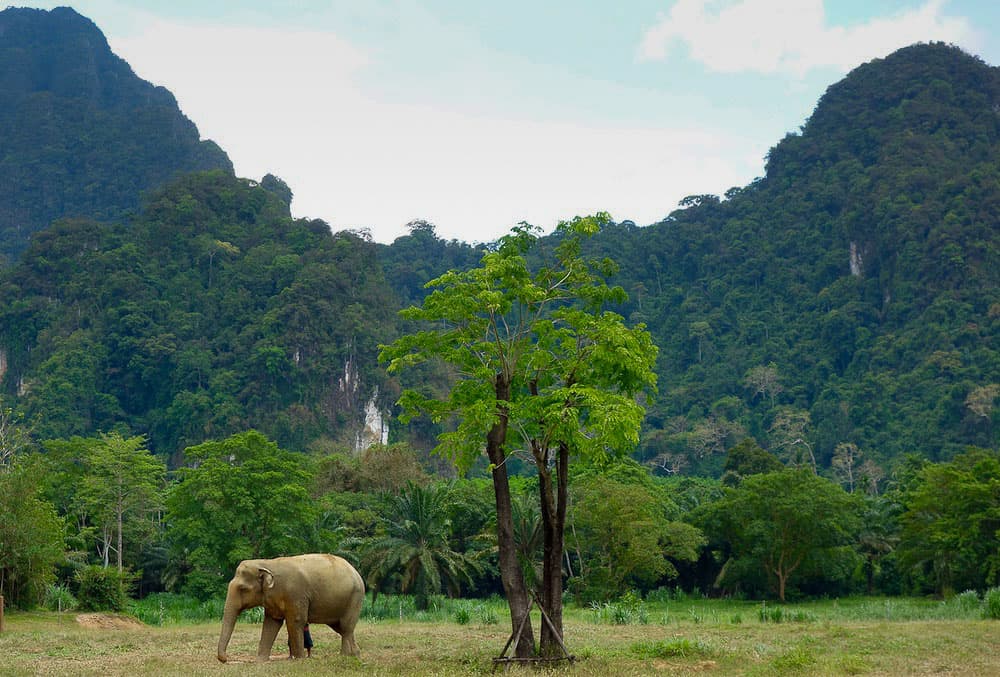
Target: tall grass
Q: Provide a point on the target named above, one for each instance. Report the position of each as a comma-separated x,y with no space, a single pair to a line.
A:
164,609
401,608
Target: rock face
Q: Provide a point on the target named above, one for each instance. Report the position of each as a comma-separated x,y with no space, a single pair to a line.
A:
80,134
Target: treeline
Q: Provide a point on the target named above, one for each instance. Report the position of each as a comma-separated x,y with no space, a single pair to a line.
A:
89,516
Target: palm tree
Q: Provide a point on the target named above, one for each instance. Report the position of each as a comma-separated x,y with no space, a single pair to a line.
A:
415,547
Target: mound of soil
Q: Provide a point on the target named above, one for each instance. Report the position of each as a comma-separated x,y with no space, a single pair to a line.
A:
108,622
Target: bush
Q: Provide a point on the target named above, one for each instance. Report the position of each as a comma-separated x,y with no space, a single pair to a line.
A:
488,615
991,603
774,614
629,609
674,648
58,598
462,616
103,589
967,601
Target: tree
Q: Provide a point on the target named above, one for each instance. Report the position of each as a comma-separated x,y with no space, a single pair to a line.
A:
779,519
700,330
764,381
789,433
748,458
980,402
13,436
846,464
238,498
31,534
951,522
415,546
542,367
123,487
623,537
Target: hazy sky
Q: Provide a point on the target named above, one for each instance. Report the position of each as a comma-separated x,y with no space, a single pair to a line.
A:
476,115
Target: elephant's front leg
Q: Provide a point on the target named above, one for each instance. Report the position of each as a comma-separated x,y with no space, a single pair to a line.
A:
267,635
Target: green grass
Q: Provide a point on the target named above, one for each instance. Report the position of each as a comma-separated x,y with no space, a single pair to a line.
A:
460,637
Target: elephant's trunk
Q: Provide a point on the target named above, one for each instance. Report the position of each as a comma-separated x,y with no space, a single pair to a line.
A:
230,614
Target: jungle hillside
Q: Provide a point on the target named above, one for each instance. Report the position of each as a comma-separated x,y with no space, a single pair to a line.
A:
190,377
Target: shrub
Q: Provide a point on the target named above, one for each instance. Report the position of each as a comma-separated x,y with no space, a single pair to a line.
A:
627,610
773,614
968,600
103,589
462,615
991,603
58,598
674,648
488,615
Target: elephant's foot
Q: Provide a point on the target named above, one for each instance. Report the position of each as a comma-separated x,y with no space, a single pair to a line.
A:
349,647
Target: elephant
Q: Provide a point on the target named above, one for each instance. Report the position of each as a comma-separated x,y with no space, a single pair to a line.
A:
313,588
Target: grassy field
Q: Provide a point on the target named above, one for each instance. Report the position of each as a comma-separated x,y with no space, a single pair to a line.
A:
846,637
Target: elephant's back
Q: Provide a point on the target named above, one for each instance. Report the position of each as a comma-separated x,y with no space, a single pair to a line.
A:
340,579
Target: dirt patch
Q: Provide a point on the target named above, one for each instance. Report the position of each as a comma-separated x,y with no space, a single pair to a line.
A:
108,622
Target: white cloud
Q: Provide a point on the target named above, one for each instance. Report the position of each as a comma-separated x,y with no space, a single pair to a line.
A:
791,36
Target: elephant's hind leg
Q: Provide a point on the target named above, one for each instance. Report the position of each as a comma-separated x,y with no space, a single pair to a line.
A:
348,646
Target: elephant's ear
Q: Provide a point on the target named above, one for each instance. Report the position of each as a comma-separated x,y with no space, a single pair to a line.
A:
266,578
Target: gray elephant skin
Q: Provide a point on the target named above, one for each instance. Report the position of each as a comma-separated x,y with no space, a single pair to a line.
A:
314,588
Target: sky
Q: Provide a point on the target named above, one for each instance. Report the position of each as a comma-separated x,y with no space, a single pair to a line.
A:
476,116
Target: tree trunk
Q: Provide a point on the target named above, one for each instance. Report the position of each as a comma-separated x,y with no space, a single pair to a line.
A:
120,512
510,570
553,503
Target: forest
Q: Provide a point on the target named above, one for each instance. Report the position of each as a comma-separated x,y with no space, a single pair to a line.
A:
190,377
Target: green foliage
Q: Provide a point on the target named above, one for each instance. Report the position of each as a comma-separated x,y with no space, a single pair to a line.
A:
213,312
856,281
377,468
571,370
240,498
991,603
59,598
103,588
414,550
748,458
168,609
31,534
122,490
627,610
950,524
623,537
671,648
775,522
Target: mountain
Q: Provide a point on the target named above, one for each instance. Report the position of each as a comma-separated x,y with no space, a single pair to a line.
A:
212,312
842,310
848,297
80,134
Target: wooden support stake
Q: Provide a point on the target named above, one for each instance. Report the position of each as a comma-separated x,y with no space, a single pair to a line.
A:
1,614
504,660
